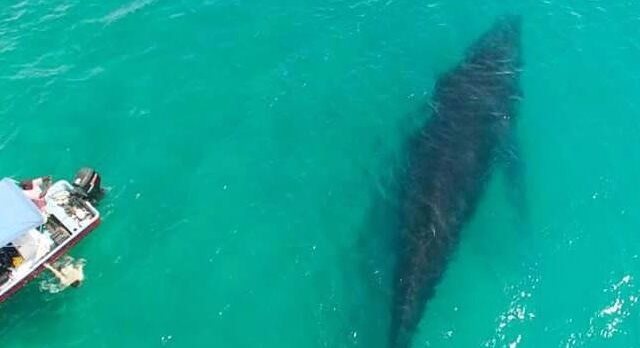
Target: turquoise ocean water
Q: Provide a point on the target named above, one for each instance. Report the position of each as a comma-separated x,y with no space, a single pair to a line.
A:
250,149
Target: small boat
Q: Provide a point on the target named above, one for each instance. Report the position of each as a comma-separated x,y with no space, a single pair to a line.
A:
40,220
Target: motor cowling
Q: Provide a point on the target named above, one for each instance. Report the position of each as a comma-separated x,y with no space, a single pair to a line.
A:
87,184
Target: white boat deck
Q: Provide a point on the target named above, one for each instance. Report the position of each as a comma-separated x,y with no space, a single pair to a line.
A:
74,218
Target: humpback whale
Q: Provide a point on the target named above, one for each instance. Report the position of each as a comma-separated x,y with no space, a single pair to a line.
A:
449,162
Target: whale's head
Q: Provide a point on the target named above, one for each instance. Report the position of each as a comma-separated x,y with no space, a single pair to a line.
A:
499,50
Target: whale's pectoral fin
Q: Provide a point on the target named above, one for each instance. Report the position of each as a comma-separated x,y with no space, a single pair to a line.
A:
514,172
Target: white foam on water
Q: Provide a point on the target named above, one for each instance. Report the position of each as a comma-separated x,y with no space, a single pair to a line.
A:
517,314
606,322
515,343
614,308
125,10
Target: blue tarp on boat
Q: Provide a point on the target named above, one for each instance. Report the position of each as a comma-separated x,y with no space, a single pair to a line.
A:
17,213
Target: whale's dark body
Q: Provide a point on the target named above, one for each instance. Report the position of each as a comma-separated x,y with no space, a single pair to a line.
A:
450,160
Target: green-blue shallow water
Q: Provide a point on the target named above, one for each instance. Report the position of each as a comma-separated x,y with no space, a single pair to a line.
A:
250,149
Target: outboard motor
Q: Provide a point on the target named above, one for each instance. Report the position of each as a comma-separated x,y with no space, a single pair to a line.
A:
87,184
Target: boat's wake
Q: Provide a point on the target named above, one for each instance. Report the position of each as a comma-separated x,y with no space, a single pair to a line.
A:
70,273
